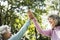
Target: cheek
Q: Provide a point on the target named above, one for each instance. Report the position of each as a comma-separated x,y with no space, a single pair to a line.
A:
50,22
8,35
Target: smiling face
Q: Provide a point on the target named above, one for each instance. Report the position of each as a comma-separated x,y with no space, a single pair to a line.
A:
52,22
7,35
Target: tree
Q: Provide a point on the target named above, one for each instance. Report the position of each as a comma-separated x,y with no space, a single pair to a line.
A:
13,13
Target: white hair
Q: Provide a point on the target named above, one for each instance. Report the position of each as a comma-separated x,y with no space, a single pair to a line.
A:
4,28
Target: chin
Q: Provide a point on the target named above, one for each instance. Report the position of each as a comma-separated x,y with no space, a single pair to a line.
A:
9,37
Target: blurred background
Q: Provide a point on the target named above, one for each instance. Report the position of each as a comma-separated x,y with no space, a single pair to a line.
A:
14,14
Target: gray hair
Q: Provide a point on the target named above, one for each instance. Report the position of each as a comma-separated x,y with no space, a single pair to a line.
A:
57,18
4,28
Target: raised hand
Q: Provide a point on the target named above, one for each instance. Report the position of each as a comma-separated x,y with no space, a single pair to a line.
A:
30,14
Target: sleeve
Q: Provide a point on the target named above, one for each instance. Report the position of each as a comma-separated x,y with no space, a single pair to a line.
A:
44,32
19,35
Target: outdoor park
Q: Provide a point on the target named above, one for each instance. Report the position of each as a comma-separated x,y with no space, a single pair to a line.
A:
14,13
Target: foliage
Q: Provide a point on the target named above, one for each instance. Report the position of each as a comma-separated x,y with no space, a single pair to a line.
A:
13,13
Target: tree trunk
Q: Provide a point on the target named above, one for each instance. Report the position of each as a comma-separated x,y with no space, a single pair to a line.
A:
0,15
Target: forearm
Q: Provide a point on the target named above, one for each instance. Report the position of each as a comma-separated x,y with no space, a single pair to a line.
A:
19,35
41,31
37,25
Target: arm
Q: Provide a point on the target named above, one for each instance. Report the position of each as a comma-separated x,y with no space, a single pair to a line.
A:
45,32
19,35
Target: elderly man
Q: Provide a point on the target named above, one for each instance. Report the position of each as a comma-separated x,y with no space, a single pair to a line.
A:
5,32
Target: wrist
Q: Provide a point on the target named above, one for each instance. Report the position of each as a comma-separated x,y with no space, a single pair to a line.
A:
34,19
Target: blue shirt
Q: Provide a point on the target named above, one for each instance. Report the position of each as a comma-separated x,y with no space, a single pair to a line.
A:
19,35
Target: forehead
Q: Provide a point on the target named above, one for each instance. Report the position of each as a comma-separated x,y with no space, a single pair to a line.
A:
50,18
9,29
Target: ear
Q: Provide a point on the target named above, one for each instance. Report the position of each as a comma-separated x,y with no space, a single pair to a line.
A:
56,22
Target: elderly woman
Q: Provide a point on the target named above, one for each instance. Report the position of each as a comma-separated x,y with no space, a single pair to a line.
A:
54,20
5,32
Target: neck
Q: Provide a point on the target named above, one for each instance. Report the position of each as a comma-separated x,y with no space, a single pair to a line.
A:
56,27
4,38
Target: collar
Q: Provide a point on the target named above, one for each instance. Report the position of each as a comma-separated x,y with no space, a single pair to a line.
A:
57,27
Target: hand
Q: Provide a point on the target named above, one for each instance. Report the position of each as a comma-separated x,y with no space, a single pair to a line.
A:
30,14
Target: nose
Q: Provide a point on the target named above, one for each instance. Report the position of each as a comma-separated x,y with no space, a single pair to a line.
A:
50,22
10,33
